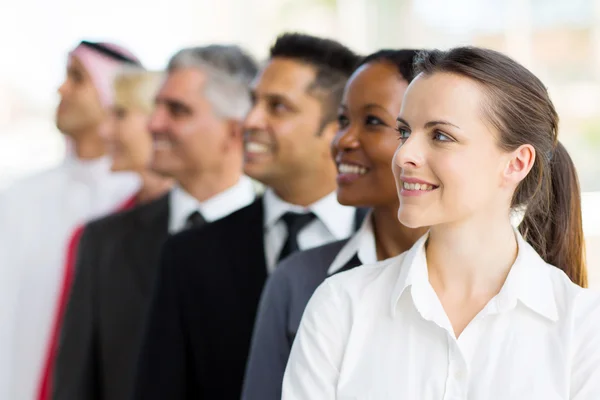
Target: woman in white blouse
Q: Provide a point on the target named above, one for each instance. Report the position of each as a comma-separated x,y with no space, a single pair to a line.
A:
475,309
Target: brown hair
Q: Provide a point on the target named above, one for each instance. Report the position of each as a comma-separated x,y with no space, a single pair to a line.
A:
520,108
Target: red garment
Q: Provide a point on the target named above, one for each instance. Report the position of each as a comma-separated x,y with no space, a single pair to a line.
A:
45,386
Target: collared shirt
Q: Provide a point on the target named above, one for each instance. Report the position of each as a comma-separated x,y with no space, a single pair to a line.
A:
182,204
362,244
38,216
380,332
333,222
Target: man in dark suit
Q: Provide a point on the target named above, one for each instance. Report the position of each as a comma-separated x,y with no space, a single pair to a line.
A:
211,278
198,141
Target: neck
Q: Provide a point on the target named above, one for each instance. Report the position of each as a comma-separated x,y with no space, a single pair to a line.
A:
208,185
391,237
88,146
471,257
153,186
305,190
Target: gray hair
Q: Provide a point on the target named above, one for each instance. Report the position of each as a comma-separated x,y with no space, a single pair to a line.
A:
229,71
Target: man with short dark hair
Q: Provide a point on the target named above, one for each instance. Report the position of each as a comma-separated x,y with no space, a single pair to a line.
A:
211,278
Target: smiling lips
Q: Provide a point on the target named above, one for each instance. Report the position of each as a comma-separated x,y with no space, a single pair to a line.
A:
348,173
352,169
160,142
256,148
415,187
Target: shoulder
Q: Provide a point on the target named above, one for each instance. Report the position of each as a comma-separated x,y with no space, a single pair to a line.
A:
115,223
366,284
317,258
237,224
304,271
33,184
366,275
576,307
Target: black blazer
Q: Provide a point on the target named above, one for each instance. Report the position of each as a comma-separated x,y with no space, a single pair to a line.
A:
201,322
117,261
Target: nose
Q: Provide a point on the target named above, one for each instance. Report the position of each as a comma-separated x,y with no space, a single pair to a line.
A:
158,119
62,89
410,153
255,119
346,139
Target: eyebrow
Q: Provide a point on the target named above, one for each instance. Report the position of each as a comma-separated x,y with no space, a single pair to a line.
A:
429,124
366,107
172,103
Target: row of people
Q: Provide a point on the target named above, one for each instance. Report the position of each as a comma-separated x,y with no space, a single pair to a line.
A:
165,297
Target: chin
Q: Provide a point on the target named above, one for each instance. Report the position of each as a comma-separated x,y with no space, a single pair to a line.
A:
256,172
120,167
353,200
412,219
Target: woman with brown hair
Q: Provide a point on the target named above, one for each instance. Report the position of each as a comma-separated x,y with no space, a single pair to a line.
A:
475,309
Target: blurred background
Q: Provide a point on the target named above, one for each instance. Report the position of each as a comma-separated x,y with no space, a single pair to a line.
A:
558,39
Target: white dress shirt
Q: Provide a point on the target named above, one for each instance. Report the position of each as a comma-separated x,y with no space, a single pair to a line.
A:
380,332
37,218
333,222
361,244
182,204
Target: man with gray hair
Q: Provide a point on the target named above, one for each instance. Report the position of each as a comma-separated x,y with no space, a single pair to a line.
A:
196,127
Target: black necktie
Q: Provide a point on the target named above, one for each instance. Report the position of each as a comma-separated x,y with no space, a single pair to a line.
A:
194,220
294,222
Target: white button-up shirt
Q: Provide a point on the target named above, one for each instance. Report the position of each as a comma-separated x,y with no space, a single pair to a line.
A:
333,222
380,332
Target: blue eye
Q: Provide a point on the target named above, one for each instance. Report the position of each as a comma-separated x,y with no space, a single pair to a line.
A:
403,133
441,137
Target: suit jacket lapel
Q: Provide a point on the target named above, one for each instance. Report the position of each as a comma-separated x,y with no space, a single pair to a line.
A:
144,242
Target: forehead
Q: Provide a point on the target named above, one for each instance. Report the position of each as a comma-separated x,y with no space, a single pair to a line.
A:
284,77
375,83
442,96
184,83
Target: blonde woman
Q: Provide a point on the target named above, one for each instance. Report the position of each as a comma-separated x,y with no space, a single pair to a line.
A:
130,146
129,141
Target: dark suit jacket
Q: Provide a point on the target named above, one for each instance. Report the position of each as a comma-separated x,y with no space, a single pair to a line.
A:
101,333
286,294
201,322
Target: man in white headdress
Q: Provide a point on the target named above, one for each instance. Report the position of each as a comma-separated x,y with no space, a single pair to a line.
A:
39,214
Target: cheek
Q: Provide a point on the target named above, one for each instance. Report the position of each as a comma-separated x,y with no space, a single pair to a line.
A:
466,180
185,132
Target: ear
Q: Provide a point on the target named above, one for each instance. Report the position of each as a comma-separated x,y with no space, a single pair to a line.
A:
234,133
235,130
519,164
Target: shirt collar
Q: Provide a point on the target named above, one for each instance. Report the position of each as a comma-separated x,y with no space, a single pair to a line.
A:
182,204
362,243
338,219
528,281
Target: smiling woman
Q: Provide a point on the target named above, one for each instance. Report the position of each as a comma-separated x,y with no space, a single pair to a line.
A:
475,308
363,149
